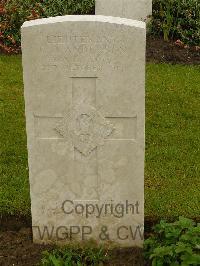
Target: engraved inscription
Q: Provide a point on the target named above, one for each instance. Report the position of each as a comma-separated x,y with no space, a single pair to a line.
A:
55,39
84,46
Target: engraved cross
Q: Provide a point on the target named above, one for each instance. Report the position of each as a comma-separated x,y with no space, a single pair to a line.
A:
87,129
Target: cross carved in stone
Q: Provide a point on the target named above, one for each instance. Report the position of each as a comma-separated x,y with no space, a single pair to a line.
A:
87,129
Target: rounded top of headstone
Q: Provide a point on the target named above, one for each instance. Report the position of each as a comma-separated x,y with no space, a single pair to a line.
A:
85,18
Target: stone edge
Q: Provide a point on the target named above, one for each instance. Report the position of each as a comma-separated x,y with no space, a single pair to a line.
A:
85,18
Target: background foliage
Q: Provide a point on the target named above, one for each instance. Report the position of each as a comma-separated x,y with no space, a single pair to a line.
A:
14,12
172,19
177,19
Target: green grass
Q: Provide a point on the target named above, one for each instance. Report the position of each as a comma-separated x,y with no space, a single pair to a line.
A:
172,185
172,140
14,187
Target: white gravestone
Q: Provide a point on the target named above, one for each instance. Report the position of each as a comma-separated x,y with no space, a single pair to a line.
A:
132,9
84,82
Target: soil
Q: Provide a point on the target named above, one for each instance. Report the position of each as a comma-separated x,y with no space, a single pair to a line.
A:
160,51
17,248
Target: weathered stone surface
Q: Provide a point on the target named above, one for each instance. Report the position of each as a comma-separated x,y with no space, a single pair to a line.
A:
132,9
84,95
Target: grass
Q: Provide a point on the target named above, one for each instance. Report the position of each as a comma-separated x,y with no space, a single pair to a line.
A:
14,187
172,140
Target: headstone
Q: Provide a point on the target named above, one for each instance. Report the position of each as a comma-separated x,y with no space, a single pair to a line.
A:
84,82
132,9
